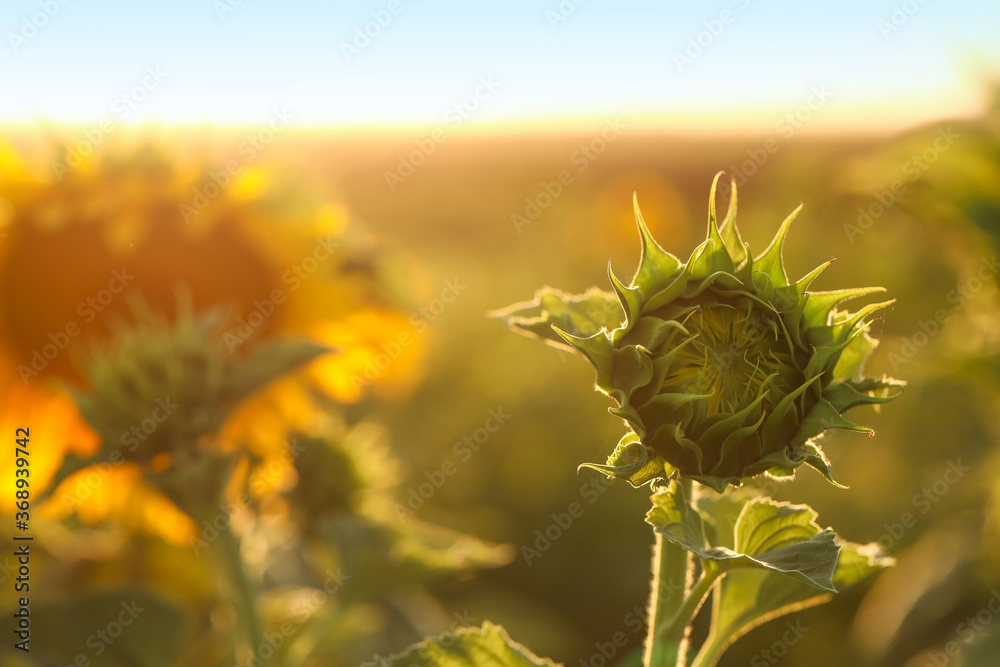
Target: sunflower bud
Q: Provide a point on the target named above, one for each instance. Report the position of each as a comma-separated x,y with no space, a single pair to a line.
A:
163,392
722,368
161,389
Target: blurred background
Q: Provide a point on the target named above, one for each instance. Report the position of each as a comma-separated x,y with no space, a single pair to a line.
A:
376,178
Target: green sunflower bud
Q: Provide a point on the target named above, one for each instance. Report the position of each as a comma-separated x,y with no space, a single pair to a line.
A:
722,368
160,389
165,390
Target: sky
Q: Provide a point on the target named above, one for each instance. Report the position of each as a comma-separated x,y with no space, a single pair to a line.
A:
722,64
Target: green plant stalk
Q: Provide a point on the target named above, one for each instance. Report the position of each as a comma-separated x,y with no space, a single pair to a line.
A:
714,644
673,605
671,564
229,546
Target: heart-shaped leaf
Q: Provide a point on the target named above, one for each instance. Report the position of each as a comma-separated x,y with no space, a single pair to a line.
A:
767,535
748,597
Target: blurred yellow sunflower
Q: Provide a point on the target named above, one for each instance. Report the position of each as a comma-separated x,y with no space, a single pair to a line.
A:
77,237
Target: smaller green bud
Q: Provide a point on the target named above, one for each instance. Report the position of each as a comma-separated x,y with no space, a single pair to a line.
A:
160,389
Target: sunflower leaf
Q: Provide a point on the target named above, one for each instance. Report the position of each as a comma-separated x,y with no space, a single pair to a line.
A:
489,646
766,535
748,597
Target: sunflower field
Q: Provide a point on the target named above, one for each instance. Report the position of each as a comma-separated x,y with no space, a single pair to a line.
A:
545,334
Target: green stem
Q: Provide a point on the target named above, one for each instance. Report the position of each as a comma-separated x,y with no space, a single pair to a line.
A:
714,643
710,652
671,582
679,624
247,603
675,598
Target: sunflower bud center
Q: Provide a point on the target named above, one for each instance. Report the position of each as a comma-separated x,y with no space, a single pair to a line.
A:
734,353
